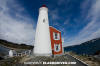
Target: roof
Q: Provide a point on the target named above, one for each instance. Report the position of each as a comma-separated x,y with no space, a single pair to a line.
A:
55,28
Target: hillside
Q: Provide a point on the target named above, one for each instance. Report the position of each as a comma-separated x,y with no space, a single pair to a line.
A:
89,47
14,45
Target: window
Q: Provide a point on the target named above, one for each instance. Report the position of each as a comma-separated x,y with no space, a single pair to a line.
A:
56,36
57,47
43,20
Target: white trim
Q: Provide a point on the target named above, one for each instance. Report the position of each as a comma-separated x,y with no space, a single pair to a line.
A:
58,36
59,47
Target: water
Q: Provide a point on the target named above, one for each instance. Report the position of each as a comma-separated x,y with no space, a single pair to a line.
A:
4,51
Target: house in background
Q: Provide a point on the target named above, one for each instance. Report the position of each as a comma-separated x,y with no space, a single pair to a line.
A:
56,41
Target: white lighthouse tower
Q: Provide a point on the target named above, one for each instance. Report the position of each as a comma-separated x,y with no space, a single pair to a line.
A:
42,46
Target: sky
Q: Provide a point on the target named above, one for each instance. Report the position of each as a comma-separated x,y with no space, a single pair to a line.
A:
78,20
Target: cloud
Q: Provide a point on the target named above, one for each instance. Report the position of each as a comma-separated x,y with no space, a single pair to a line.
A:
92,29
66,22
93,24
15,26
54,14
85,5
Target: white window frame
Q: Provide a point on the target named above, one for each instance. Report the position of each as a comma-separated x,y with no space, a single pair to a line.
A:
58,36
59,48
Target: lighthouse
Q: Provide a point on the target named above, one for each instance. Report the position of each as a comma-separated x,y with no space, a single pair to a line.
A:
42,46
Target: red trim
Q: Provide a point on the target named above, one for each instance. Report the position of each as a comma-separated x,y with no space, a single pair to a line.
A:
44,5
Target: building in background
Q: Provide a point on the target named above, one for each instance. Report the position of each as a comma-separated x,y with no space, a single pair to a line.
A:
12,53
56,41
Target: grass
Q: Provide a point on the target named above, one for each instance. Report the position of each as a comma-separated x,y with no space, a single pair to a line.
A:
10,61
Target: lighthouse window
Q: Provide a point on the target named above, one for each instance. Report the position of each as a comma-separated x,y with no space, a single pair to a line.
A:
43,20
56,36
